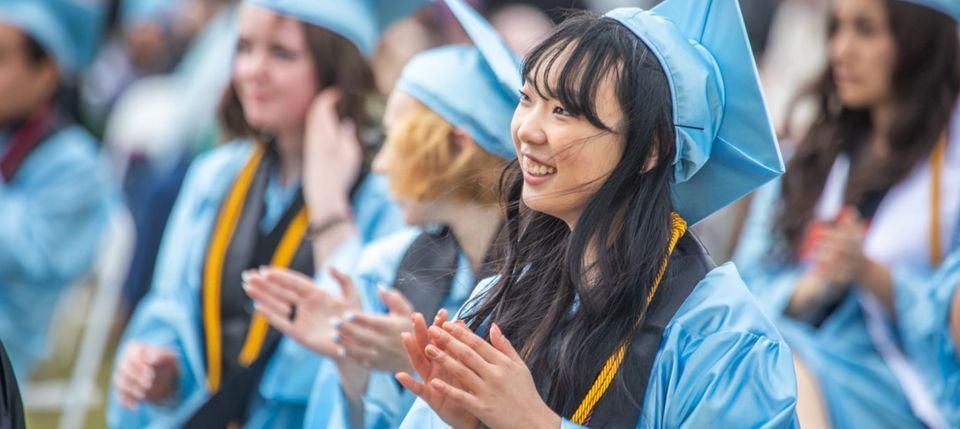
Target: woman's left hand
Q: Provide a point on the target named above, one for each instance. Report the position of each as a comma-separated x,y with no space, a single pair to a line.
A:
375,340
332,157
497,386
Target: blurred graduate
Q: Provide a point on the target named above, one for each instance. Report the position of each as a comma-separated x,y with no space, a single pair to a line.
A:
448,140
54,194
842,249
292,190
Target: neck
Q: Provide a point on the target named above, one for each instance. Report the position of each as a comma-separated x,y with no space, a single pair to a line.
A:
882,117
289,146
475,227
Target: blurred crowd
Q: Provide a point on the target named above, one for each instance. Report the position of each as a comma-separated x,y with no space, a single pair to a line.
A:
214,172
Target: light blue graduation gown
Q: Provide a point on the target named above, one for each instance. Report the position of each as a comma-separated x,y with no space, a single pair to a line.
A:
385,402
170,315
52,216
721,363
922,316
858,387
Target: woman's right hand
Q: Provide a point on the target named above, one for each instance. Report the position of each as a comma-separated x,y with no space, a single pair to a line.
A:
415,343
297,307
145,373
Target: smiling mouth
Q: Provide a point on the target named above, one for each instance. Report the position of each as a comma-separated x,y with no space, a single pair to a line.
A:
537,169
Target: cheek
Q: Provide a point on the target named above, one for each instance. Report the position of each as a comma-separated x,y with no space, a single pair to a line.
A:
298,87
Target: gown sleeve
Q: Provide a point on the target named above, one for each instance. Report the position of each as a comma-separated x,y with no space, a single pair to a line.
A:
54,216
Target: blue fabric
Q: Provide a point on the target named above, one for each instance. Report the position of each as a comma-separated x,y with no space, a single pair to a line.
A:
922,311
483,107
949,7
721,363
69,30
360,21
54,212
385,402
170,314
858,387
726,145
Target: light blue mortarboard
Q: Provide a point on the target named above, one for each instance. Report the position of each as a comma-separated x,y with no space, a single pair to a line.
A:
949,7
360,21
474,88
133,12
69,30
726,145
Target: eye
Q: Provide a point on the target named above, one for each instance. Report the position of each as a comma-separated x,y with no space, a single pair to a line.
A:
523,95
559,110
282,52
243,46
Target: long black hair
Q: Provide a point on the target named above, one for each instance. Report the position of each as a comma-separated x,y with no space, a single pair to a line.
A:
567,318
926,84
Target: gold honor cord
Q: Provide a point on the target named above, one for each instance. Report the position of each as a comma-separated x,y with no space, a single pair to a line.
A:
613,363
227,222
936,168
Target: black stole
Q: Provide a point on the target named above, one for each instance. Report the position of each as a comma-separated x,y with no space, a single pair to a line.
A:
427,269
237,342
621,405
11,406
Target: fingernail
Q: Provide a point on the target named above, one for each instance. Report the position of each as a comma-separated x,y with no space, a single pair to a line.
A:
381,286
450,327
336,338
245,276
432,351
262,270
342,352
337,323
245,285
350,316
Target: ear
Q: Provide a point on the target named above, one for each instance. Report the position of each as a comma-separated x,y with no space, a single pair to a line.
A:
47,79
651,161
461,140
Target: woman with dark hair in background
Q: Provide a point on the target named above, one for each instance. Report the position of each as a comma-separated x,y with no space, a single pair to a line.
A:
606,312
55,197
867,210
195,354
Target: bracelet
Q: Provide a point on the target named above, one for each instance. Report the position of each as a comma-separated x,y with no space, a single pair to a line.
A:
315,230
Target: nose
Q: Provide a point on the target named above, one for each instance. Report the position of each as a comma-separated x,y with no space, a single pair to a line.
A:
529,129
251,65
840,47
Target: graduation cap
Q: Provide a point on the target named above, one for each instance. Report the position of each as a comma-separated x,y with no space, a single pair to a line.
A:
949,7
360,21
69,30
473,87
726,145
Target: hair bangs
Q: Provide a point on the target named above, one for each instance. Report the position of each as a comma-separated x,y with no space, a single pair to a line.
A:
570,65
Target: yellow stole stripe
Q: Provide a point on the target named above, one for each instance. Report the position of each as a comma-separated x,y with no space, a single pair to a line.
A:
610,368
936,168
227,221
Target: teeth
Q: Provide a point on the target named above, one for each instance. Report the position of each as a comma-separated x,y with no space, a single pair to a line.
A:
537,169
